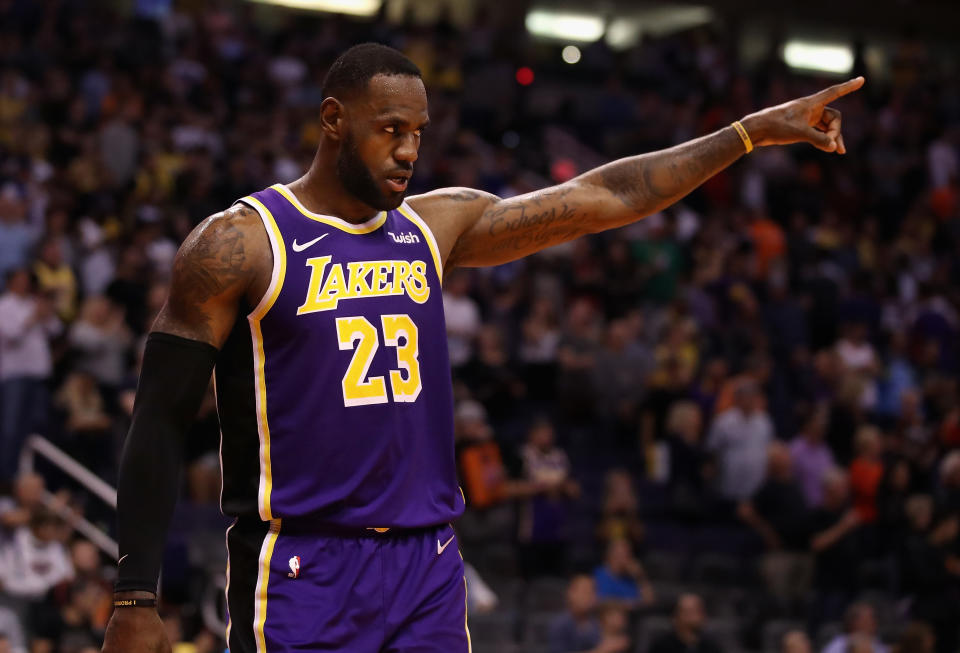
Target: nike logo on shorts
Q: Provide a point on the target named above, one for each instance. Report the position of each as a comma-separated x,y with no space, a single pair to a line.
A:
441,548
297,247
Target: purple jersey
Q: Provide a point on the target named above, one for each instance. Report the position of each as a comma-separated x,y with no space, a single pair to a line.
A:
334,394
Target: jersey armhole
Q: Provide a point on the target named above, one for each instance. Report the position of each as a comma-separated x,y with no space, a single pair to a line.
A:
278,271
407,211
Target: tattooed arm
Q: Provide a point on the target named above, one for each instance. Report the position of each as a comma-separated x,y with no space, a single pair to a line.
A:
476,229
224,258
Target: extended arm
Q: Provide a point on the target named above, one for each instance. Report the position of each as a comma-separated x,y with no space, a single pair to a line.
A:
830,536
749,515
475,229
217,265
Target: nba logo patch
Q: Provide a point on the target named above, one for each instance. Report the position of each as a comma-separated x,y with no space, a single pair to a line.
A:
294,567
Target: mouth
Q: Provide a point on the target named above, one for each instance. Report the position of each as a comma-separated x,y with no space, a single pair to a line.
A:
398,183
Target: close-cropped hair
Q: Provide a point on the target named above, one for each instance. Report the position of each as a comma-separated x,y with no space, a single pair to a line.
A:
354,69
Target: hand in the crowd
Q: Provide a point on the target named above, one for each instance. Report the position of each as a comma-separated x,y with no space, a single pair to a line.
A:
952,564
804,120
850,520
945,531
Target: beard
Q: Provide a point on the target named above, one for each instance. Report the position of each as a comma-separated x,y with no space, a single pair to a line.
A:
358,180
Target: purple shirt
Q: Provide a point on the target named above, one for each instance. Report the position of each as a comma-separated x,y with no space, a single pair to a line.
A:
810,463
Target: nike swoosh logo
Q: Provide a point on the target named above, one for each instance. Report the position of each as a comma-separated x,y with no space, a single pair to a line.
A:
297,247
441,548
121,558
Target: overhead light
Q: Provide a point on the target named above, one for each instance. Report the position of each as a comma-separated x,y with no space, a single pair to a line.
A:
662,20
351,7
669,19
571,54
584,28
623,33
820,57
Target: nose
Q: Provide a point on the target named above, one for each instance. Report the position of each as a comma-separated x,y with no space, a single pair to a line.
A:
408,149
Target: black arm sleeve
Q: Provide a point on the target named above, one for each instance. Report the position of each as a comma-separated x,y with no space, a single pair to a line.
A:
173,380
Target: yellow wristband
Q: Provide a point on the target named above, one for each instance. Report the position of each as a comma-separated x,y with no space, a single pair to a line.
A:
744,136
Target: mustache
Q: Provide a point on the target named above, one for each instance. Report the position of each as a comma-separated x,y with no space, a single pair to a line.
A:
403,167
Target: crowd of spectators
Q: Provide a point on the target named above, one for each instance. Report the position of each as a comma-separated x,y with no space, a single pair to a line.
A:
719,428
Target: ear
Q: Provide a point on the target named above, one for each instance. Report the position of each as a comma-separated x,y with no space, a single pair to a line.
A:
332,118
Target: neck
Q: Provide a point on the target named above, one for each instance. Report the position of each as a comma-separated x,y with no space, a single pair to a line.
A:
321,191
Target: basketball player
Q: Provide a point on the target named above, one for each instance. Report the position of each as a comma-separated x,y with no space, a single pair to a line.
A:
317,306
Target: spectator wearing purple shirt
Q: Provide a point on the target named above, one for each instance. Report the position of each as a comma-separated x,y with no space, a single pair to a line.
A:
811,457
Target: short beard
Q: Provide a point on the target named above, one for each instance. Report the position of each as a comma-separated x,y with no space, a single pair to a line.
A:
359,182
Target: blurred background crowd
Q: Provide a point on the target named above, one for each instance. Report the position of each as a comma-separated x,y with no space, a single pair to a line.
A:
732,426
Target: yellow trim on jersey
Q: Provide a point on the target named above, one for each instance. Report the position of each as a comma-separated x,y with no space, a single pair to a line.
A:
407,211
276,283
226,589
465,617
466,602
364,228
263,579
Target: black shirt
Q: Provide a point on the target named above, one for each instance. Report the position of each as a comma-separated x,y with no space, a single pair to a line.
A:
836,565
782,505
670,643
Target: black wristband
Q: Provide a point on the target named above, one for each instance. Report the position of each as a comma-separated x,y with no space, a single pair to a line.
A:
134,603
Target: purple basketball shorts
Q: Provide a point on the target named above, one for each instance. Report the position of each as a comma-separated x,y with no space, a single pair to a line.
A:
294,589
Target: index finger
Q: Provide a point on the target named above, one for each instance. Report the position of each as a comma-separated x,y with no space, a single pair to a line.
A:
831,93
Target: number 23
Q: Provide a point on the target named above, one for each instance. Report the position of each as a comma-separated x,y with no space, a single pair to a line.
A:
357,333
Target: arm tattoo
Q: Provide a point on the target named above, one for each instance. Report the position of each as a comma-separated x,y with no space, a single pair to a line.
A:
609,196
215,263
212,261
533,222
649,182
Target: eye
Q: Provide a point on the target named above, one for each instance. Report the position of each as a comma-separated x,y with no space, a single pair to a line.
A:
390,129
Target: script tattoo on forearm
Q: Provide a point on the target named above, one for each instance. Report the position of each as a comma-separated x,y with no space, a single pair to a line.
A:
534,222
649,182
525,224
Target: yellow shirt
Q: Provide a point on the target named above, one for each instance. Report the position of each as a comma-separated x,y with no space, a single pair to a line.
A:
62,284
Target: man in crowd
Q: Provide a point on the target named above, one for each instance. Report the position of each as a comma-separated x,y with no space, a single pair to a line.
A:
578,629
738,439
27,322
859,621
687,635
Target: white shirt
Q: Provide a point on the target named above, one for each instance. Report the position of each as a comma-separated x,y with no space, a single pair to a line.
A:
10,626
29,567
839,645
740,442
463,322
855,356
24,344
